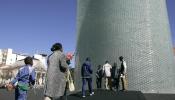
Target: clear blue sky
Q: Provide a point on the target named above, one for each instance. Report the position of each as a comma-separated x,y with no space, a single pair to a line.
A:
171,14
28,26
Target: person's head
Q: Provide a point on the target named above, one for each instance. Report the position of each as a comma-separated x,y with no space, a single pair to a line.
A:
121,58
106,62
28,61
99,66
87,59
57,46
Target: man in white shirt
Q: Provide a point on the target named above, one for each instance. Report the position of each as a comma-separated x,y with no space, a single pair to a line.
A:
123,73
107,72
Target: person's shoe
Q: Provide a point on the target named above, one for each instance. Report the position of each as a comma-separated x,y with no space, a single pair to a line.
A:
83,96
107,88
123,90
92,93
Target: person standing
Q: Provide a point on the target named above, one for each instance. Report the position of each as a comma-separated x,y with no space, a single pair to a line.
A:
24,79
115,76
56,73
107,71
86,73
123,73
99,76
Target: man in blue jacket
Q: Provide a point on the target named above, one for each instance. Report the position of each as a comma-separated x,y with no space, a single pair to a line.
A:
86,72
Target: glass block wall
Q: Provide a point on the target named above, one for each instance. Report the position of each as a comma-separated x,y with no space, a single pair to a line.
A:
138,30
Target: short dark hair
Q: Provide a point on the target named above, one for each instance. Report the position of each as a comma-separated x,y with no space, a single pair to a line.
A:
106,61
56,46
121,57
28,60
99,66
87,59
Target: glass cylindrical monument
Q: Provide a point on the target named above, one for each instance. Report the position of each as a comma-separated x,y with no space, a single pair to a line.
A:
138,30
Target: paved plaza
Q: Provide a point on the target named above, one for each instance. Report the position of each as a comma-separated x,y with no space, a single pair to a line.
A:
34,94
37,94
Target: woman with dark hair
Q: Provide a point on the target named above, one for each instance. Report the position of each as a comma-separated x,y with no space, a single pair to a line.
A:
56,73
56,46
24,78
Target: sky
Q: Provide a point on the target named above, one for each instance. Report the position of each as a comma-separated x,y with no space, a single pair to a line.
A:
171,15
32,26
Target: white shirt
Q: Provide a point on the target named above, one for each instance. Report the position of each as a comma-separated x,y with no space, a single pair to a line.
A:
107,69
125,67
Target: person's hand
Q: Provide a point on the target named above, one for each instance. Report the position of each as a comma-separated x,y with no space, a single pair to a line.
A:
121,75
68,62
6,85
9,86
31,86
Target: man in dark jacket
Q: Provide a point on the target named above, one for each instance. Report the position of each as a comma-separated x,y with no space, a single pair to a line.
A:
86,72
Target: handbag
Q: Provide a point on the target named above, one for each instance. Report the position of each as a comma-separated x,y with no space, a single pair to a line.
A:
23,86
47,98
71,86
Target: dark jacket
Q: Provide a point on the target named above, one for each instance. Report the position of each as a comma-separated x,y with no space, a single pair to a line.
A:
113,72
99,73
86,70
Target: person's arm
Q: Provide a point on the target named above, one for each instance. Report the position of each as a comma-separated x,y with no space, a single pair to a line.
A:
63,62
16,78
111,69
110,66
103,70
32,77
97,74
82,70
89,68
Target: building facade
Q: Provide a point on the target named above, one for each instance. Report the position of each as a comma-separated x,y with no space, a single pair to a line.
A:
10,63
138,30
7,57
42,58
0,56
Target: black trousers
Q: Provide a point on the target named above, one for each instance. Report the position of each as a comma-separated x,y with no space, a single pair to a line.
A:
98,82
116,83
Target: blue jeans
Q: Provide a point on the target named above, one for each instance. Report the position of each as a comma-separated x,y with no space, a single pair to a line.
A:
20,94
89,80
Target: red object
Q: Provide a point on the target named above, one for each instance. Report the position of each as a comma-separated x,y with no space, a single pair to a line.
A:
69,56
